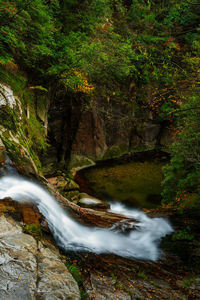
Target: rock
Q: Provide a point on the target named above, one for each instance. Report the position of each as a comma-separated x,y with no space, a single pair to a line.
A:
28,212
80,161
90,137
31,271
61,183
104,287
91,202
6,96
55,281
25,212
19,154
2,153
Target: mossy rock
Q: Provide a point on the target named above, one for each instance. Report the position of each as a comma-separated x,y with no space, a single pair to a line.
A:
34,230
113,152
71,185
72,195
78,161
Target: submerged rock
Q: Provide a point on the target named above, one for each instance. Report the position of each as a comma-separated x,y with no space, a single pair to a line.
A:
31,271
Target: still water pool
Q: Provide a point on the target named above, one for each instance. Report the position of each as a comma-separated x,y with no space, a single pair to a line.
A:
137,184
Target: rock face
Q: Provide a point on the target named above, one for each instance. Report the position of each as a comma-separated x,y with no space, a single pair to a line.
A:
7,97
16,143
31,271
90,138
27,212
80,133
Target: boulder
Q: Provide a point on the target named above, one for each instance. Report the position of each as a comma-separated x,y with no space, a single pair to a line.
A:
88,201
31,271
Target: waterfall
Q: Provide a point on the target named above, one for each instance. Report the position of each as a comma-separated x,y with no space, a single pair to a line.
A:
142,242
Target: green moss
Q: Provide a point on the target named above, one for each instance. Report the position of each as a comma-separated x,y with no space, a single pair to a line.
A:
28,131
78,161
142,275
15,80
112,152
7,118
34,230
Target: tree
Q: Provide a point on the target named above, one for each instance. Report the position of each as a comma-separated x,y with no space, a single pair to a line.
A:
182,175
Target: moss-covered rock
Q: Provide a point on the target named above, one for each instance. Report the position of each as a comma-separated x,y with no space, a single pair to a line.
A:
20,130
79,161
113,152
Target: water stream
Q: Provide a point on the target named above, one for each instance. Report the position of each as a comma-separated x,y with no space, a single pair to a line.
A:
70,235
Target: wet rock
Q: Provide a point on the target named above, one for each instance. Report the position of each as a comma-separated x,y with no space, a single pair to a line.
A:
91,202
31,271
24,212
90,137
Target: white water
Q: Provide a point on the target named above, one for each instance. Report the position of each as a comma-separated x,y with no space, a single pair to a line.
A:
140,243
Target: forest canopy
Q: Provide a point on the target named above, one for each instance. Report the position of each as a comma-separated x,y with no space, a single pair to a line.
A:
115,49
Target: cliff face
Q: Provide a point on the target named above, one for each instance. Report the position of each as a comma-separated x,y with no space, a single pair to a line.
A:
105,130
78,133
13,133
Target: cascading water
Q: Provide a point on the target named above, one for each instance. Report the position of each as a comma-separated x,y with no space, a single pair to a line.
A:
141,242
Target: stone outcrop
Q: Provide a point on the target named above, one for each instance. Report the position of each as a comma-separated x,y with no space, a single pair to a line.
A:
80,133
29,270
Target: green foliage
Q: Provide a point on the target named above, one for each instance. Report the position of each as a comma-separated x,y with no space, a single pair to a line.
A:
110,42
74,270
133,270
34,230
112,152
142,275
28,131
182,175
104,49
188,282
184,234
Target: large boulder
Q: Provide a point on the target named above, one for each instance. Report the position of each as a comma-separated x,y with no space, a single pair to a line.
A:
29,270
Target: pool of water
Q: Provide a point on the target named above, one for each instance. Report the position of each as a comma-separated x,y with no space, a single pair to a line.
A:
138,184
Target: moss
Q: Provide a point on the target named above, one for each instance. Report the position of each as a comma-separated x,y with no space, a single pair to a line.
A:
15,80
34,230
28,131
112,152
7,118
77,275
78,161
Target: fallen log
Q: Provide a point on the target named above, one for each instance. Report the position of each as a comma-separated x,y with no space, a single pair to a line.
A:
88,216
